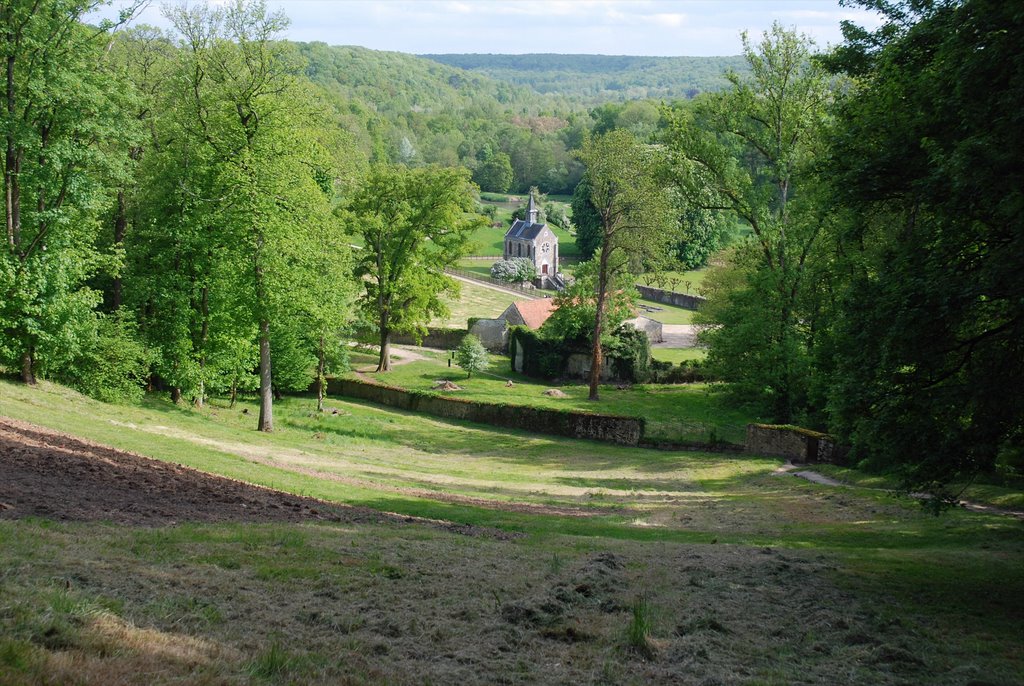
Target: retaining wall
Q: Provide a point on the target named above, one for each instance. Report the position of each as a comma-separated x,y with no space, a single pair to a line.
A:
796,444
684,300
621,430
442,339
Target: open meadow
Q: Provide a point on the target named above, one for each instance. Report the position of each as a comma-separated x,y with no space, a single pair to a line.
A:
445,552
673,413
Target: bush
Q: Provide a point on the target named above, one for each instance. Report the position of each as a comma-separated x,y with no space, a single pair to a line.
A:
630,354
471,355
115,366
515,270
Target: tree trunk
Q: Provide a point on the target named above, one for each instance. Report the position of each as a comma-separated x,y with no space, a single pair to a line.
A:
384,364
28,372
12,195
120,224
176,395
234,391
596,359
266,422
204,335
320,380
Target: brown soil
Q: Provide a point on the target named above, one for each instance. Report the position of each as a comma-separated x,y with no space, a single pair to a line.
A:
49,474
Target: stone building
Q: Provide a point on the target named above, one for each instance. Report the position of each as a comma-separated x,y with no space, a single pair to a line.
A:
536,242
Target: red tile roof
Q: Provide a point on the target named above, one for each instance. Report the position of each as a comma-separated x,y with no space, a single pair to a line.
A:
535,312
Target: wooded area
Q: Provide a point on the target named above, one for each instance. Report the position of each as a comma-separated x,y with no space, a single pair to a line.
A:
179,210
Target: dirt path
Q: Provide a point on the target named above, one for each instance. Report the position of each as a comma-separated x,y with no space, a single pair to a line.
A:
522,295
402,354
49,474
814,477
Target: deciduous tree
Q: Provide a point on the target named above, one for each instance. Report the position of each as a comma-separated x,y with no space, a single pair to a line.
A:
414,223
627,191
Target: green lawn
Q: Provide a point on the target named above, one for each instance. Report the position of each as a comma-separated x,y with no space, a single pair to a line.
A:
482,267
666,314
680,282
739,575
690,412
677,355
475,300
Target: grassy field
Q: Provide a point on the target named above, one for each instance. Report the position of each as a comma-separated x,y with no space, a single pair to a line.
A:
689,412
630,566
475,300
680,282
677,355
666,314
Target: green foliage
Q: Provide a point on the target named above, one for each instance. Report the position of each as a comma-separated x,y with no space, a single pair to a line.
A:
471,355
627,191
65,140
601,78
927,353
752,150
586,220
414,223
702,233
576,308
630,354
514,270
114,365
495,173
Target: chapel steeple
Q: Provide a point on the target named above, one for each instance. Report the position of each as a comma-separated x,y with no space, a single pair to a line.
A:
531,210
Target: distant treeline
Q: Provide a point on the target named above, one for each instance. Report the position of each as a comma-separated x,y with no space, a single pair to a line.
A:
594,79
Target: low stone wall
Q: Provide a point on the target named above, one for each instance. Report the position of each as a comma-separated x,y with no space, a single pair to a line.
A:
684,300
796,444
442,339
598,427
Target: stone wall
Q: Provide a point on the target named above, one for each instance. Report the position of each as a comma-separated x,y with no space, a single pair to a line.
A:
684,300
654,329
493,333
599,427
442,339
796,444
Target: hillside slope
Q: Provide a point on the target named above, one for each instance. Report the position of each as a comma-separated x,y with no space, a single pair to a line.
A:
594,79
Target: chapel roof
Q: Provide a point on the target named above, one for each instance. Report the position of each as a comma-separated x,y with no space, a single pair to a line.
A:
523,229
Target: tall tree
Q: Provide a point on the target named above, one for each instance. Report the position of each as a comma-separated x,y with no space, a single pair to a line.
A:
929,350
750,152
251,124
627,192
57,116
414,223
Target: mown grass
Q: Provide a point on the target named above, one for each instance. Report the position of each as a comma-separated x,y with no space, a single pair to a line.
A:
690,412
1005,492
680,282
666,314
475,300
677,355
745,576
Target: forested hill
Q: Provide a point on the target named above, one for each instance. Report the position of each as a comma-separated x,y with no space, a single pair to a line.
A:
593,79
399,82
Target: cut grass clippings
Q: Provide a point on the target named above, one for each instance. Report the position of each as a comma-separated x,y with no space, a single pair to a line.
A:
745,576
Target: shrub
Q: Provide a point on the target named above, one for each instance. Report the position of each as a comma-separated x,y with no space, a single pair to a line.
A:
515,270
115,366
630,353
471,355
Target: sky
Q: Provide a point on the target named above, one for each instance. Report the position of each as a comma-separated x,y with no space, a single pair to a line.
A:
607,27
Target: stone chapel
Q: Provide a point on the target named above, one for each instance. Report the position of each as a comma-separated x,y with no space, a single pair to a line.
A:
526,238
